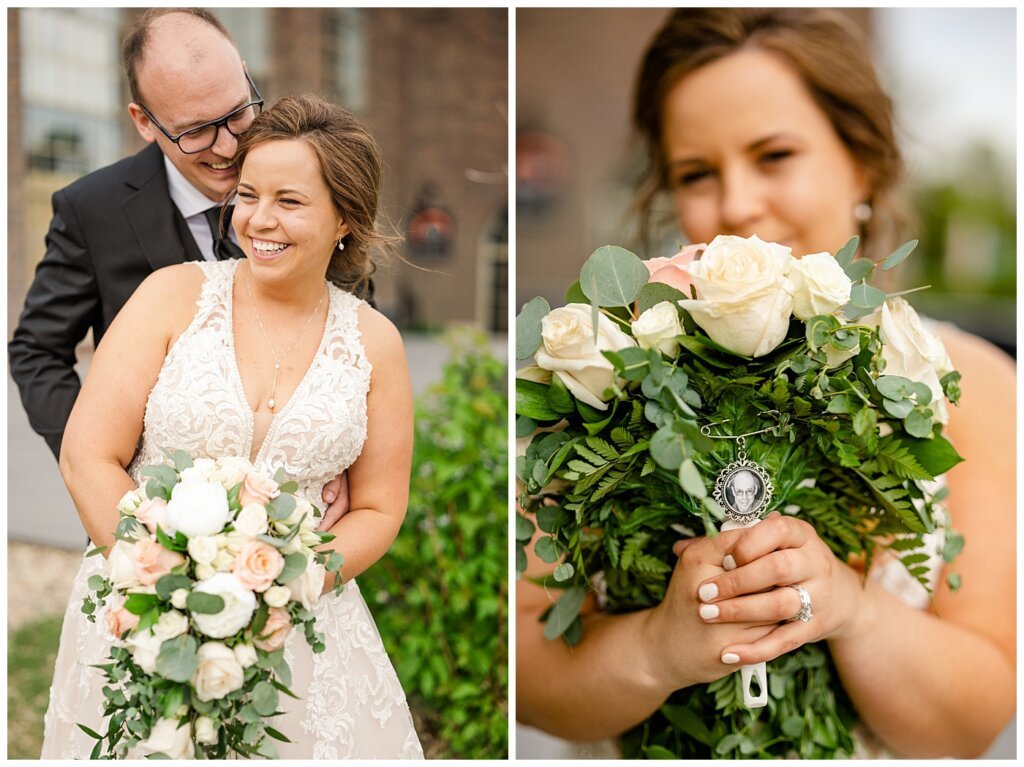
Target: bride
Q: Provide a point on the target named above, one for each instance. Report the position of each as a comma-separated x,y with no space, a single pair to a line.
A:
263,358
772,122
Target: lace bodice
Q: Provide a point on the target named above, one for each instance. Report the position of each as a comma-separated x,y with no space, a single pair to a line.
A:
198,403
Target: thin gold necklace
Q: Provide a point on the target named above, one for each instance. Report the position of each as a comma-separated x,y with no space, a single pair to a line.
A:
272,402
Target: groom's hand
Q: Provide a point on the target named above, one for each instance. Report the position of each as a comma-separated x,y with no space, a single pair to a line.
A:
335,495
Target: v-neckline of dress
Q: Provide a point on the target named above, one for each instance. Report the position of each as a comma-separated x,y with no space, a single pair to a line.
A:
250,414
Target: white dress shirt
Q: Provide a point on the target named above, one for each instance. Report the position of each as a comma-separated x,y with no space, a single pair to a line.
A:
192,204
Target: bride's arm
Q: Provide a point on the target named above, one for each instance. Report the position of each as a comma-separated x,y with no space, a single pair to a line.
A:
379,479
104,427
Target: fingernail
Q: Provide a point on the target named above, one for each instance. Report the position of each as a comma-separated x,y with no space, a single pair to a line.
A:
730,657
708,612
728,562
330,497
707,592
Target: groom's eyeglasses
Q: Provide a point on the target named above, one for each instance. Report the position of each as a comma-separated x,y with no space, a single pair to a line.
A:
202,137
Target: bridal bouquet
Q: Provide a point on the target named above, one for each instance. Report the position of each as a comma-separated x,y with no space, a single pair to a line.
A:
212,568
671,394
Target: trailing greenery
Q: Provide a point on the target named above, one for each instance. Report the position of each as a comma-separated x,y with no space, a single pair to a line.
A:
439,596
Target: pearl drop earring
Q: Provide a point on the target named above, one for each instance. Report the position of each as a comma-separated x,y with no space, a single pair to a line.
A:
341,244
862,212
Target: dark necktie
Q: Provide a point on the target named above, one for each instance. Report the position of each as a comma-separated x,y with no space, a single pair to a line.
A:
223,246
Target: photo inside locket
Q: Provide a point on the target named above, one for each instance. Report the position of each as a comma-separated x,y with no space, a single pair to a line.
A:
744,491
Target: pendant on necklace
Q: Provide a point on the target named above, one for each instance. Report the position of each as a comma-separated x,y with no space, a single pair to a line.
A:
744,488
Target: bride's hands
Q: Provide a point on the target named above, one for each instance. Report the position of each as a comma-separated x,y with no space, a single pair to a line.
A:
752,587
683,648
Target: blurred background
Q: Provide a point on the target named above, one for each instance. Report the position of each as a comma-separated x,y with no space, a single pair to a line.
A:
952,75
432,84
950,71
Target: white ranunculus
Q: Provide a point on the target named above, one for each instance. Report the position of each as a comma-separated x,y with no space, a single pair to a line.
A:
239,604
658,328
145,646
121,566
744,296
169,625
200,471
198,508
206,731
224,561
230,471
170,738
277,596
202,549
307,587
246,654
179,598
820,286
911,351
218,672
205,572
129,502
569,351
251,520
309,538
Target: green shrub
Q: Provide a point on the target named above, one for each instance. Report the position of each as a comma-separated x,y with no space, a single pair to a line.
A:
440,595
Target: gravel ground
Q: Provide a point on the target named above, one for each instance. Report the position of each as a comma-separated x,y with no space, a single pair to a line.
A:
38,581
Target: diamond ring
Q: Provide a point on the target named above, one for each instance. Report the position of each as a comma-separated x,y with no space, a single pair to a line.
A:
805,605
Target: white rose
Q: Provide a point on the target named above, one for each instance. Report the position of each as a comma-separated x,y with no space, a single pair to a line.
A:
251,520
239,604
202,549
205,572
179,598
820,286
230,471
198,508
200,471
911,351
569,351
218,672
658,327
129,502
169,625
121,566
744,296
277,596
206,731
145,647
224,561
307,587
245,654
170,738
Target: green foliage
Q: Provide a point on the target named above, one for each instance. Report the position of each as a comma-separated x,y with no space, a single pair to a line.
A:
439,596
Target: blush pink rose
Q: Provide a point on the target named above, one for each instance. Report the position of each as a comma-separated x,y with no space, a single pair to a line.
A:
257,564
120,620
152,512
153,561
276,630
257,489
672,271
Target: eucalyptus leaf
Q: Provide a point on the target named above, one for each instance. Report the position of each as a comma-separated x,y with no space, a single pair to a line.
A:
564,612
667,448
178,658
168,584
846,253
575,295
528,327
548,549
182,460
294,566
866,296
653,293
858,269
690,479
564,572
264,698
524,528
899,255
206,604
281,507
613,276
897,408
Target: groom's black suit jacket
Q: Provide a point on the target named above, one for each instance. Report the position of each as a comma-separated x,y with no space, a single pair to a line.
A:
110,230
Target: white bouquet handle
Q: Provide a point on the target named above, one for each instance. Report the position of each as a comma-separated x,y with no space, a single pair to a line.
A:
757,671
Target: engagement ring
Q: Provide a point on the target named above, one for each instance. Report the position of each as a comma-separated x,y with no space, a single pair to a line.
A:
805,605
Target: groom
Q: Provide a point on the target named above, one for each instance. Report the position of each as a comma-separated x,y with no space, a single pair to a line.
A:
191,96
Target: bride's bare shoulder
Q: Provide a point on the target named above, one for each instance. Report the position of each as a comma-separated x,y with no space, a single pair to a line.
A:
166,299
975,357
380,337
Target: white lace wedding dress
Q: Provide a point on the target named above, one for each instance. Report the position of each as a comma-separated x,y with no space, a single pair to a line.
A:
351,704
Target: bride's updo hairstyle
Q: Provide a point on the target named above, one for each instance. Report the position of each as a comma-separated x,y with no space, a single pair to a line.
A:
351,166
831,57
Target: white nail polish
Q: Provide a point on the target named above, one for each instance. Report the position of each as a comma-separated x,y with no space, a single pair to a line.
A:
730,658
708,612
707,592
728,562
